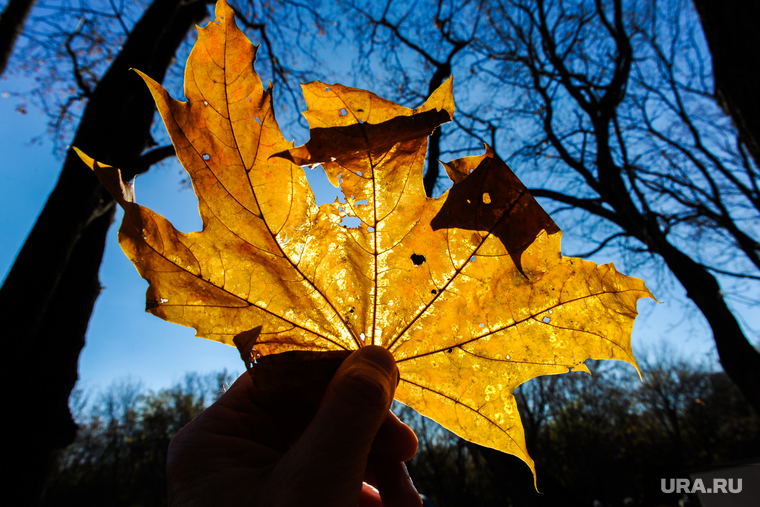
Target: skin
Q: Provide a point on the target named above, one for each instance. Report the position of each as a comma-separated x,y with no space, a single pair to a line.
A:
319,444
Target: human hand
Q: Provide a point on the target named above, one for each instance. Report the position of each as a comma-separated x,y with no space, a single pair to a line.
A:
314,445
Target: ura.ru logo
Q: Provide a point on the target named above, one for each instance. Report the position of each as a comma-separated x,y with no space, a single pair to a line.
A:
685,486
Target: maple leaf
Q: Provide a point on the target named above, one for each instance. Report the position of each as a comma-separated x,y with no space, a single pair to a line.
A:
469,291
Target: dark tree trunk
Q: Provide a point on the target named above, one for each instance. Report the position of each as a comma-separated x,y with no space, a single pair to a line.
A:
730,27
738,357
740,360
48,296
11,25
430,180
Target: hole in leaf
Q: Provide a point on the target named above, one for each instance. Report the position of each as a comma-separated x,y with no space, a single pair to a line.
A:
362,202
482,325
371,229
434,291
257,119
551,311
249,99
508,357
472,258
351,310
327,88
450,350
546,320
206,156
343,112
351,222
362,336
487,198
417,259
358,173
205,102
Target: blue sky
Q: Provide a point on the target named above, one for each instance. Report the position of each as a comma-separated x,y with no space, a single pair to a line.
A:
124,341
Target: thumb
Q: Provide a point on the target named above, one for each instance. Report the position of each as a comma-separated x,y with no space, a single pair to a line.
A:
330,458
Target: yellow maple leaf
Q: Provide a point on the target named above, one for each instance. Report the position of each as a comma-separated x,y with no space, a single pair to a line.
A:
468,291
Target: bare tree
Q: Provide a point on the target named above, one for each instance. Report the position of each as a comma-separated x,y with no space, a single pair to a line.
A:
48,295
607,109
619,98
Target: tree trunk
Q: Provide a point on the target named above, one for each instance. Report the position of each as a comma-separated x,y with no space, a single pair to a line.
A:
730,27
740,360
430,179
11,25
48,295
